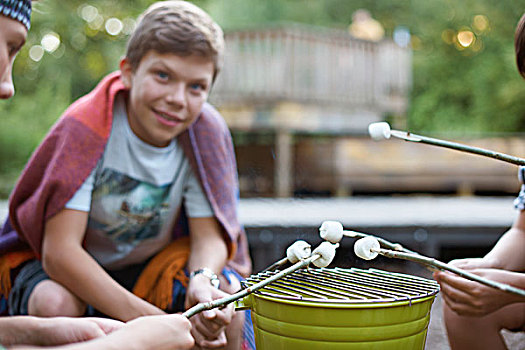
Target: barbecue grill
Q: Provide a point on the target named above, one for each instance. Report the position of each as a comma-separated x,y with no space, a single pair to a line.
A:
336,308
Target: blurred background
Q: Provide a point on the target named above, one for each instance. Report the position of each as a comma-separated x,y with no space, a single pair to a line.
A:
301,82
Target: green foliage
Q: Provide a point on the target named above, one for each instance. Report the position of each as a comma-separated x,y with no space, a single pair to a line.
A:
463,90
25,122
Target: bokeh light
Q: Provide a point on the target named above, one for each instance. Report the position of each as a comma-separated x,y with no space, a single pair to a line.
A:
480,23
401,36
50,42
466,38
97,22
113,26
129,25
88,12
36,52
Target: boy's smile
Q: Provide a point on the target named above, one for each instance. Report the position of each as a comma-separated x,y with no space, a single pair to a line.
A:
166,94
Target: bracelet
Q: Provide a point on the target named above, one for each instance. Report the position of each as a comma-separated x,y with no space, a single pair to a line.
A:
214,280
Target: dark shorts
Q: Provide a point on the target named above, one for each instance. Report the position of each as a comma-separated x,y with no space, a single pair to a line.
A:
32,273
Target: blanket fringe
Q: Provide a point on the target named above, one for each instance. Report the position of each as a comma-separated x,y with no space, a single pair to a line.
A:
155,283
8,262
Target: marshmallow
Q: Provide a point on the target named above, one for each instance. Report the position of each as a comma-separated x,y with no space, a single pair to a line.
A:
331,231
299,250
366,248
379,131
326,250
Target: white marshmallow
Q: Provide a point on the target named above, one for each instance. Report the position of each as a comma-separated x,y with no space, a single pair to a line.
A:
366,248
299,250
326,250
379,131
331,231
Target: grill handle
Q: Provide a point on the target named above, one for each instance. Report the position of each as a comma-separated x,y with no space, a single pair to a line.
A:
245,303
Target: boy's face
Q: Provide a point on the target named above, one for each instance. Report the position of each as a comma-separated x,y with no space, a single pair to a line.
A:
12,38
166,94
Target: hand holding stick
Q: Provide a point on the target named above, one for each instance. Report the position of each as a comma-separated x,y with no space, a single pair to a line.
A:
368,250
322,256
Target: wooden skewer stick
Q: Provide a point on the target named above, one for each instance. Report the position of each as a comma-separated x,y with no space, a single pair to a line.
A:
276,264
384,243
382,131
459,147
443,266
242,293
299,250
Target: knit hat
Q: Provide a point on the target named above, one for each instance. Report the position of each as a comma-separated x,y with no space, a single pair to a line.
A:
19,10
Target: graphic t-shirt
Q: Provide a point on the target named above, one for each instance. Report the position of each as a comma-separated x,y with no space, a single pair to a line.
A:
133,196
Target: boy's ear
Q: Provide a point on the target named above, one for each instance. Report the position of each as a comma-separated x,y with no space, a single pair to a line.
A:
126,72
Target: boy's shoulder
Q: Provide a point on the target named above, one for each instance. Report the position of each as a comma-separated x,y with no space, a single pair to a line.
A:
98,99
211,116
94,109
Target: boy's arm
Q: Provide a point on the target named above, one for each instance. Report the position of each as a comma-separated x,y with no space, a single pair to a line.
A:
68,263
208,250
48,331
508,252
144,333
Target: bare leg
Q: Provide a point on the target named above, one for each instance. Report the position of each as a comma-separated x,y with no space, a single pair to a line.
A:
482,332
50,298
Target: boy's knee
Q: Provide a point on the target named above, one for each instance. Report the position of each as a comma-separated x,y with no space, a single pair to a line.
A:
49,298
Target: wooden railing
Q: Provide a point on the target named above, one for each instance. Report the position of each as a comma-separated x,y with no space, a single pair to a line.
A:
313,65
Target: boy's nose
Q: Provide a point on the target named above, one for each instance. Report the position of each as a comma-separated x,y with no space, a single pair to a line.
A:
176,95
7,89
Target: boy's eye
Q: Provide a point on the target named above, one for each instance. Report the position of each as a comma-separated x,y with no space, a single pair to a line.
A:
197,87
162,75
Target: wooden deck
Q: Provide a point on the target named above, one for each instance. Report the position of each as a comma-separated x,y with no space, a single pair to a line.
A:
305,78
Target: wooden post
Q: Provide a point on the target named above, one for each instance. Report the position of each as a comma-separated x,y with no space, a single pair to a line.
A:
283,163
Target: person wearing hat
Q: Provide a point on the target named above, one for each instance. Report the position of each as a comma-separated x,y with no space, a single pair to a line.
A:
14,24
150,332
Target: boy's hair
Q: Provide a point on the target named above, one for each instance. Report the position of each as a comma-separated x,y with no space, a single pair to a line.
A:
519,45
177,27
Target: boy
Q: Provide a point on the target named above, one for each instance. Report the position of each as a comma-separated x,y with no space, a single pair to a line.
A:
475,314
128,170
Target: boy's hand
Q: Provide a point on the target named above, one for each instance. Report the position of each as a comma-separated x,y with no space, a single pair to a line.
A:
473,263
469,298
158,332
208,326
64,330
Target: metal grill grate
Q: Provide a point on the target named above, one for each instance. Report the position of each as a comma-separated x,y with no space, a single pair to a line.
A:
340,285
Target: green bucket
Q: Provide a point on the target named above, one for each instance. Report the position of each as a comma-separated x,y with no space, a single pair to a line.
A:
341,309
